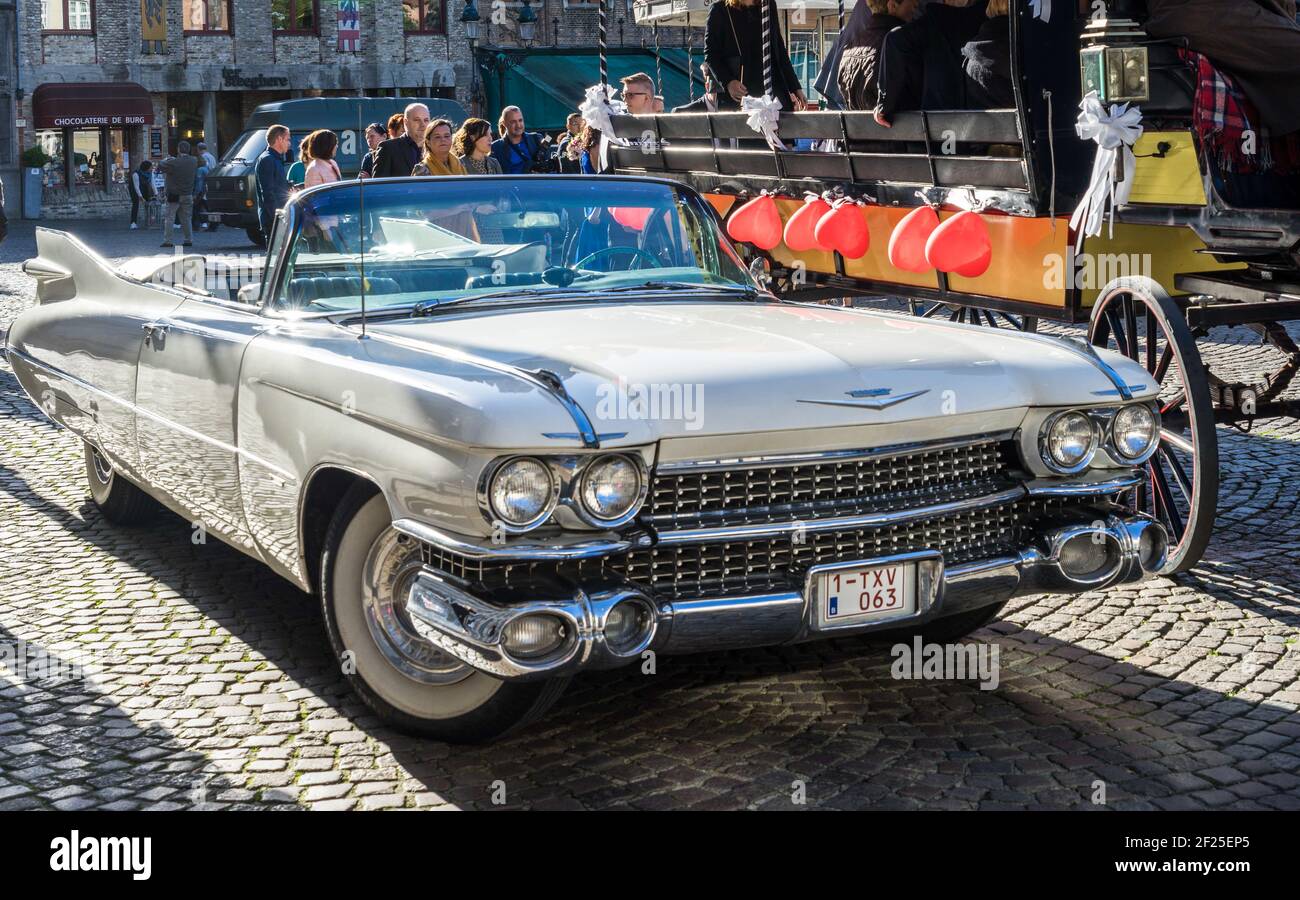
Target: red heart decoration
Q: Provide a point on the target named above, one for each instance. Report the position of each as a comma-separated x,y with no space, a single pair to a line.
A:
758,222
907,243
633,217
961,245
800,228
844,229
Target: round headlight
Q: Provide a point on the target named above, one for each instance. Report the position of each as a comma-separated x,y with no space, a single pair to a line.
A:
1134,431
611,487
521,492
1070,441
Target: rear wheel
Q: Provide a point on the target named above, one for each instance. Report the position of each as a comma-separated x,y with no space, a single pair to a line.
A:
366,571
121,502
973,315
1136,317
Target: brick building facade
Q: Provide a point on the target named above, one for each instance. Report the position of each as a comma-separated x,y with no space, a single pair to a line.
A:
216,60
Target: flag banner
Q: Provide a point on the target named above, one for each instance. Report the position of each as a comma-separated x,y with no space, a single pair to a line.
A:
153,26
349,26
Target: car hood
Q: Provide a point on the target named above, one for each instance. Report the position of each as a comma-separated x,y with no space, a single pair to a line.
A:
644,371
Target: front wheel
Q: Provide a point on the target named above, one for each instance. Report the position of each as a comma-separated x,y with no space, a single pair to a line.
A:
366,571
255,235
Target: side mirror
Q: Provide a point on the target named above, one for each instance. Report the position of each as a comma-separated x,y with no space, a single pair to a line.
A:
760,270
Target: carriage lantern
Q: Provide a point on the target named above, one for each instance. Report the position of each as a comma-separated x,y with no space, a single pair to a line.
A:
1113,62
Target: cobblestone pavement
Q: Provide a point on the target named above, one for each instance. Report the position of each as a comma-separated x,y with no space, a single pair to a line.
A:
218,688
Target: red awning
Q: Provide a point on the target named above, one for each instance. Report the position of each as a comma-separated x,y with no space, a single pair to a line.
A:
66,105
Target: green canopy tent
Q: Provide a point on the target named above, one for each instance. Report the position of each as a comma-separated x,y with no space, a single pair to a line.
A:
549,84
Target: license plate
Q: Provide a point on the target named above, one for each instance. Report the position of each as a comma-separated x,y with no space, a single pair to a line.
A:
857,594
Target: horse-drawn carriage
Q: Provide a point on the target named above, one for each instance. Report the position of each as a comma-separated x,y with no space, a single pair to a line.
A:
1182,251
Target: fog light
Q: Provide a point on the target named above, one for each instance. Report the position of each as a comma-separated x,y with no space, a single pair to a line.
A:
1089,556
532,637
628,626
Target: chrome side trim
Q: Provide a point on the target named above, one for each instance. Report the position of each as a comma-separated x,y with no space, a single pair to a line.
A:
542,379
569,546
1084,349
795,459
839,523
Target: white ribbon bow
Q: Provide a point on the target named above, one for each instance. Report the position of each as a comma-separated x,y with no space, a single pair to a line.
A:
764,116
1115,133
596,110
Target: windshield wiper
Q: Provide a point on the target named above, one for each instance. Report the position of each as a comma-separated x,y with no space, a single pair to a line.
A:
426,307
741,289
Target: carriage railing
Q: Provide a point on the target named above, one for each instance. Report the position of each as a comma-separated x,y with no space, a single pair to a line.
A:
931,152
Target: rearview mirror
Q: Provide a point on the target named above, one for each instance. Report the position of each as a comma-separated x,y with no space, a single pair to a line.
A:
525,219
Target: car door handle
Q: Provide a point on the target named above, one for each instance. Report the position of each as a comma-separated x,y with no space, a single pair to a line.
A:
152,329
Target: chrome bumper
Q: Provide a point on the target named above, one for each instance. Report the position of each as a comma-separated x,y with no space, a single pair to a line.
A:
472,628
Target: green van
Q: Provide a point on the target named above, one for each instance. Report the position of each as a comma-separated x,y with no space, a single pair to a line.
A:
231,193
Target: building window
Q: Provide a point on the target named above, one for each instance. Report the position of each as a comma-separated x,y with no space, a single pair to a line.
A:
51,141
424,16
119,156
88,157
206,16
67,15
294,16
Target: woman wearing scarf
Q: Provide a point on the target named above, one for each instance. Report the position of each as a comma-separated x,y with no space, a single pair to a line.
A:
439,160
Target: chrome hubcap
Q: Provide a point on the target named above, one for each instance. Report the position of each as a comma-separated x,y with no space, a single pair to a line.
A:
391,567
103,471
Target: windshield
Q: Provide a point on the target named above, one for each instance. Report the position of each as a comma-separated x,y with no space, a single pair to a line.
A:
248,147
431,241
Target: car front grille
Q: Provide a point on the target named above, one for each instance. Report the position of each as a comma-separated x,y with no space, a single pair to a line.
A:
833,485
988,522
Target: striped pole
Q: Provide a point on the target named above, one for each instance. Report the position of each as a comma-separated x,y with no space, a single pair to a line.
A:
767,49
690,60
840,4
659,72
604,63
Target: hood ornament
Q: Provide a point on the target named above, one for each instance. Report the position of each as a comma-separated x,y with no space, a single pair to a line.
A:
871,398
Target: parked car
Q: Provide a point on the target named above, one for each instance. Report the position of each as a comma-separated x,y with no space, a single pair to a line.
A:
509,429
232,198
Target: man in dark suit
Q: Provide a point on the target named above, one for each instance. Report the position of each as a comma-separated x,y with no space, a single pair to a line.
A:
396,157
272,187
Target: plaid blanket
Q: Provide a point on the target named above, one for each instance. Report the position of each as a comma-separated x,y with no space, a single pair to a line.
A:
1222,116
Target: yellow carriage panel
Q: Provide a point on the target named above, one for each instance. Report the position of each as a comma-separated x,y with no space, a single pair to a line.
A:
1173,179
1026,253
1157,251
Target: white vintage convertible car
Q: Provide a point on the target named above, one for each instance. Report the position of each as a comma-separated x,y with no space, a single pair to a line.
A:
509,429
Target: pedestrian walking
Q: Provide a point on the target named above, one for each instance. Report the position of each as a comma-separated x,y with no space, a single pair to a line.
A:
396,157
200,212
179,173
272,187
140,187
210,161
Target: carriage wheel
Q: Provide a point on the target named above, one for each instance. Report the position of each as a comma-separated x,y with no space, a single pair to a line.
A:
1136,317
973,315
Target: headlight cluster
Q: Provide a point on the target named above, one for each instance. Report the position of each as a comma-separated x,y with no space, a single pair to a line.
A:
603,491
1069,440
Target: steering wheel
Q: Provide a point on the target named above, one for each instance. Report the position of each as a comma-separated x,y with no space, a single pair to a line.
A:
603,251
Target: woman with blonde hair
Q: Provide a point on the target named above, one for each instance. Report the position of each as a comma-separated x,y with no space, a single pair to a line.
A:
439,160
473,147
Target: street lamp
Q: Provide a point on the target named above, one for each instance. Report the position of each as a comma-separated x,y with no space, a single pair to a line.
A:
527,23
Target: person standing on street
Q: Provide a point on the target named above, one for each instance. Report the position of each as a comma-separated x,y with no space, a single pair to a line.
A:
572,128
200,213
272,186
140,187
4,220
211,162
396,157
179,172
374,137
516,150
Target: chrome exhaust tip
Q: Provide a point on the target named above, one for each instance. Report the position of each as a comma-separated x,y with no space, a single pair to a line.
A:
1148,544
1087,555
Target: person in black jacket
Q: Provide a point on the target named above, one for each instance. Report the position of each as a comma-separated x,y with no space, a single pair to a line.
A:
986,62
733,45
920,63
396,157
375,136
272,186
